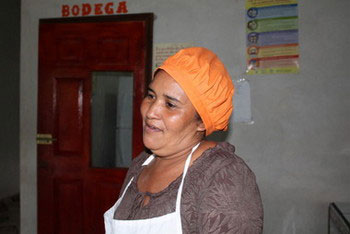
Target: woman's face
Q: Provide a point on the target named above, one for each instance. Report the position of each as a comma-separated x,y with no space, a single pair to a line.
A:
169,118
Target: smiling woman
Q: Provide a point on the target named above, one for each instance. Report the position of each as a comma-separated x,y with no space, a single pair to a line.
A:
188,184
170,122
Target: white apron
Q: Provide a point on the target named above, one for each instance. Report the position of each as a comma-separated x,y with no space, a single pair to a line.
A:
169,223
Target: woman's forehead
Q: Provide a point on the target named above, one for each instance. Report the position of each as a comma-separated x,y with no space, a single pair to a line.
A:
164,84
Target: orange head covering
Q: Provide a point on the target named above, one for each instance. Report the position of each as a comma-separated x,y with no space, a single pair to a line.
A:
206,82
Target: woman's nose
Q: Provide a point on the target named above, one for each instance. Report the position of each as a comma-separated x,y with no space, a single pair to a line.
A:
153,111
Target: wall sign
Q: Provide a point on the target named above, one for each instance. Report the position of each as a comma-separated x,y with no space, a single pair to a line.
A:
87,9
162,51
272,36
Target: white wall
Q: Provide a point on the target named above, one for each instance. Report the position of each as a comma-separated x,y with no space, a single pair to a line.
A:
299,145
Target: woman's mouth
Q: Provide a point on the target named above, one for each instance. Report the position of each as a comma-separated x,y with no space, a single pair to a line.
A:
150,128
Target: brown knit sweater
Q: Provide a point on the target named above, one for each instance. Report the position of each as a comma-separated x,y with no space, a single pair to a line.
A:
220,195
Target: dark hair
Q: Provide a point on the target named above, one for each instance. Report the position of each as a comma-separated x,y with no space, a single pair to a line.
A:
197,116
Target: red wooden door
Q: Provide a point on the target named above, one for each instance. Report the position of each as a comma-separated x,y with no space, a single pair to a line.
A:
73,194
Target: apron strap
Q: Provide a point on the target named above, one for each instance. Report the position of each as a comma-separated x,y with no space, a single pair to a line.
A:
187,164
148,160
126,188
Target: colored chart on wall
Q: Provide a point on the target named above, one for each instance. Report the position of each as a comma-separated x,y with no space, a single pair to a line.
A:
272,36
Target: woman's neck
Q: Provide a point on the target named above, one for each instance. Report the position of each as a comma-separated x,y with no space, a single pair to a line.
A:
175,157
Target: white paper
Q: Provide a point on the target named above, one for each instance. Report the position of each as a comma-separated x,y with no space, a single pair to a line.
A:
242,112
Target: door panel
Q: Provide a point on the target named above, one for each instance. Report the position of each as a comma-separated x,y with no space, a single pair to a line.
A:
69,206
73,193
68,103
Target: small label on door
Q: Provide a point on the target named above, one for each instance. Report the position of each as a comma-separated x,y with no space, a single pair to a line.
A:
44,139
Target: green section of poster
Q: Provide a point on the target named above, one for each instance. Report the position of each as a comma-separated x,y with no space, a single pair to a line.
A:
273,24
272,36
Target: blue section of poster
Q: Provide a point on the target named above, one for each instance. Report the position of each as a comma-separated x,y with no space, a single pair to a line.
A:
272,12
272,38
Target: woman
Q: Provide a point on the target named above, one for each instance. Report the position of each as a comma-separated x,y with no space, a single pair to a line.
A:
188,184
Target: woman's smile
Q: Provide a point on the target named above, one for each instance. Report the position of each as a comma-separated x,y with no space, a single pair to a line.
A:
149,128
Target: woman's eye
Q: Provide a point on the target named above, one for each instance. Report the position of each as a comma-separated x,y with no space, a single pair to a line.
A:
170,105
149,96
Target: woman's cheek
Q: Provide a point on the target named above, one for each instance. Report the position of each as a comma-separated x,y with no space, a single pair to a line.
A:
174,120
143,108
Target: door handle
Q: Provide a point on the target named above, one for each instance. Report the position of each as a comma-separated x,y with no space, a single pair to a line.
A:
44,139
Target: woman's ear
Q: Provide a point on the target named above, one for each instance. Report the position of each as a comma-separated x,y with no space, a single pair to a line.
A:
201,126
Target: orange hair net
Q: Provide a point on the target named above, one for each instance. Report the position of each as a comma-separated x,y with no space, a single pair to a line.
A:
206,82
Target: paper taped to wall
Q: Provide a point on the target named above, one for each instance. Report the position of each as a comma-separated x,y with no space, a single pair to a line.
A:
162,51
242,104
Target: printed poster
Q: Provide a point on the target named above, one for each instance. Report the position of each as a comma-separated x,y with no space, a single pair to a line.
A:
162,51
272,36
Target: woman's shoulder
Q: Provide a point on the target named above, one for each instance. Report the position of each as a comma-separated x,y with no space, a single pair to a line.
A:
137,162
221,153
220,158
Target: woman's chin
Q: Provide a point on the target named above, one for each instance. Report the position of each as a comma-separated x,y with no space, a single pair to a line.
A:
150,143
